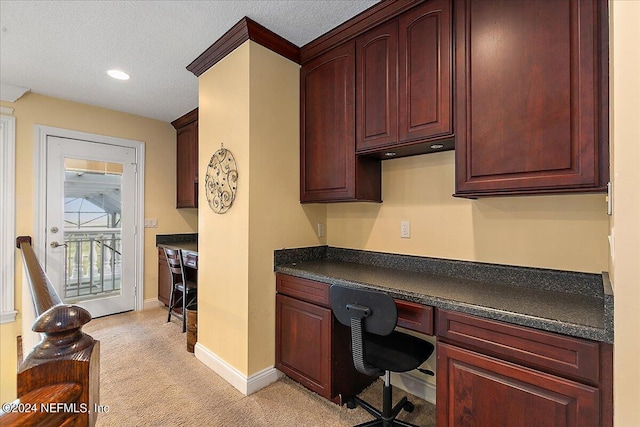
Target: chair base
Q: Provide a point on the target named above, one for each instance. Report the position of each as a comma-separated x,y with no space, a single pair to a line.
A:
386,417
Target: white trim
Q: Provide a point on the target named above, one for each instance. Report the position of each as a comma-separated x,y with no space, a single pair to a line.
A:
40,163
416,386
261,379
7,218
245,385
6,110
12,93
152,303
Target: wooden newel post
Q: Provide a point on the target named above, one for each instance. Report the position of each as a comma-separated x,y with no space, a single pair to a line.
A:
61,374
65,355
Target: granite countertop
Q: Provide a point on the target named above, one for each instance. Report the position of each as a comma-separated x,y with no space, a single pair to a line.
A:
187,242
570,303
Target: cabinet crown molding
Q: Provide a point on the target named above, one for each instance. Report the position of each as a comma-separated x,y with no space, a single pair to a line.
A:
245,29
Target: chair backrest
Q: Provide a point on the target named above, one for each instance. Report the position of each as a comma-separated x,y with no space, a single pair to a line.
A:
380,318
174,261
365,311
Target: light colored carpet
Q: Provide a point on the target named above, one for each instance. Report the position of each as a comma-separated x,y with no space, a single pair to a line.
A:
147,378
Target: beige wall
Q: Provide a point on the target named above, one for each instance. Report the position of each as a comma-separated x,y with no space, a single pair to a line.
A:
159,139
250,102
223,117
561,232
625,224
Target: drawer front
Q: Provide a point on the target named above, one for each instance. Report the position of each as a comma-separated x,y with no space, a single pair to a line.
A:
303,289
414,316
571,357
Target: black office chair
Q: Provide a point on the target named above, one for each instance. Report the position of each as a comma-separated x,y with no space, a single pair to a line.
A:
377,347
187,290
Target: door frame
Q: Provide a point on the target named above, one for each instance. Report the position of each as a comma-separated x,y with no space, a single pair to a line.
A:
40,169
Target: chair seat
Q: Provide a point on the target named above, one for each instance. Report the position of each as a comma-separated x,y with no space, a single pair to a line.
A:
191,287
396,352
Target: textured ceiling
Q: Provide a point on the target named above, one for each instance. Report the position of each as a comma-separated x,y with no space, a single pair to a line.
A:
63,48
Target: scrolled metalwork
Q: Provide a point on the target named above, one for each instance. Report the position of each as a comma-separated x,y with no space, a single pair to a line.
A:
221,181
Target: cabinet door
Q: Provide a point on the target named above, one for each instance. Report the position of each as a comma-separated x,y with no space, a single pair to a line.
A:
303,343
476,390
528,97
377,87
187,166
164,279
425,71
329,168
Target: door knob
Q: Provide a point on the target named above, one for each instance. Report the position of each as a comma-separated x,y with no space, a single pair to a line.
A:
56,244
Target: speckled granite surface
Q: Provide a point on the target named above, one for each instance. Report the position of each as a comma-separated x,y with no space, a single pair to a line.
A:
188,242
575,304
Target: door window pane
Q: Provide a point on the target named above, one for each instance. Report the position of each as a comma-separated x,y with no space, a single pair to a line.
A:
92,229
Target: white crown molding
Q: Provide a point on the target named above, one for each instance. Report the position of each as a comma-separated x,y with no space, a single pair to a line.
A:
6,111
11,93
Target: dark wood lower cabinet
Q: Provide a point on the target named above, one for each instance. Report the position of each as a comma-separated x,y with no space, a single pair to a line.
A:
313,348
164,279
488,372
478,390
304,343
491,373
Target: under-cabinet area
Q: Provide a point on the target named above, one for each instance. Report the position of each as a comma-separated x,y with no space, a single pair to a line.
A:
541,353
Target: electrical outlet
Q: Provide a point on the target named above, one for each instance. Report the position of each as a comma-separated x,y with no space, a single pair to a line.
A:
320,229
405,229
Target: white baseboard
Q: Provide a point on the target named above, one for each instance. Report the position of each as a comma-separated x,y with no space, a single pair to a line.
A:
416,386
245,385
151,303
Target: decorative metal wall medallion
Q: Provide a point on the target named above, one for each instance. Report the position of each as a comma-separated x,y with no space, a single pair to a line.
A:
221,181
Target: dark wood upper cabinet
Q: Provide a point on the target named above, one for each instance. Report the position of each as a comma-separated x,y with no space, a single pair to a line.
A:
404,83
187,160
425,71
377,87
330,170
531,96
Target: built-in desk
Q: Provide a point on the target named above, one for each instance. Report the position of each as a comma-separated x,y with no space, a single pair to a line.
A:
534,340
189,248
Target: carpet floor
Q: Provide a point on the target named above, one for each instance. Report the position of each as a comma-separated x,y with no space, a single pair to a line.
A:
147,378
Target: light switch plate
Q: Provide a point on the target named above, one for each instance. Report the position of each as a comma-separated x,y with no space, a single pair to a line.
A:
320,229
151,223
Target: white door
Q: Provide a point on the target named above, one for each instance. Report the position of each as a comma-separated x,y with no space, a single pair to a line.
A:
91,223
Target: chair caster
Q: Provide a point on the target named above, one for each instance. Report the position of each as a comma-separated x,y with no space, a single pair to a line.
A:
408,406
351,404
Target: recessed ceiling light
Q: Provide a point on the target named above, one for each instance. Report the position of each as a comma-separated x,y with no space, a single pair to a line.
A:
117,74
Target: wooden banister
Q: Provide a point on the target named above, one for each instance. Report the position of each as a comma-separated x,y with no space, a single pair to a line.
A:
64,365
42,292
